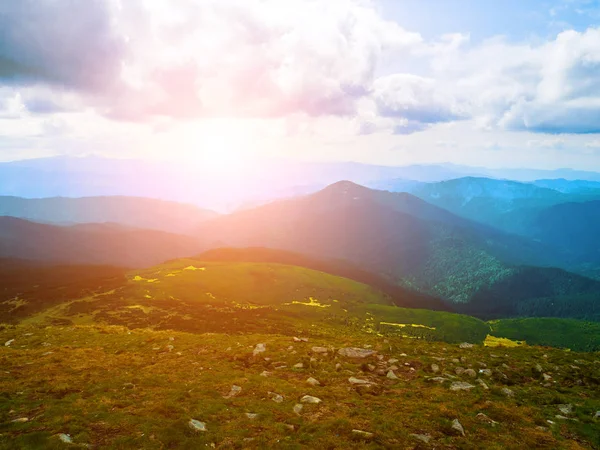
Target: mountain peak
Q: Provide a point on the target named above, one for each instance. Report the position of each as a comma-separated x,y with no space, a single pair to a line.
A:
345,187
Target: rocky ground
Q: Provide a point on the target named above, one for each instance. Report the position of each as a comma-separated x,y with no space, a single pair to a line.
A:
109,387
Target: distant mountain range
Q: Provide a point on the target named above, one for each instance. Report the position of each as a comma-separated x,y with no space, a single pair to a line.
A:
261,181
455,240
128,211
106,244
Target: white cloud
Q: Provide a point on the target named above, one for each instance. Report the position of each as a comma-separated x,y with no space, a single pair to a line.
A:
553,143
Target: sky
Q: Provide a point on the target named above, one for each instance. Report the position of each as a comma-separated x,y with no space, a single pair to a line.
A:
229,82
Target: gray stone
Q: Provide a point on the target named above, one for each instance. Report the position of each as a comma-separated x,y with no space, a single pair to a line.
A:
566,409
260,348
196,425
426,438
298,366
7,343
310,399
235,390
363,434
435,368
437,379
277,398
251,416
298,408
466,345
508,392
461,386
485,419
471,373
313,381
457,426
354,380
322,350
482,384
353,352
66,438
391,375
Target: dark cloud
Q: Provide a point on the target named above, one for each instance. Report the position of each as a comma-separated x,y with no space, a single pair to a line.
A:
63,42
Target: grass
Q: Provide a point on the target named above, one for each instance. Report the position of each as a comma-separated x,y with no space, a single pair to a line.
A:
562,333
118,388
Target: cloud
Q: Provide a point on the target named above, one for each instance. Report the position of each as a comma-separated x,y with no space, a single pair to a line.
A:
554,143
59,42
419,101
552,88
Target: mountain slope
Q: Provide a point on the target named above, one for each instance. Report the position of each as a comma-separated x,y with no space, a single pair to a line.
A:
399,295
130,211
91,244
397,235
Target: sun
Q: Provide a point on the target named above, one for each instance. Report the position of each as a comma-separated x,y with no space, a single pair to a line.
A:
218,147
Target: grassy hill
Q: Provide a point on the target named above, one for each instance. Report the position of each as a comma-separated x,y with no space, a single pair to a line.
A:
116,388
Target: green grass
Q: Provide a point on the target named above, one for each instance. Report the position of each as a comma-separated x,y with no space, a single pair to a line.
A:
563,333
110,387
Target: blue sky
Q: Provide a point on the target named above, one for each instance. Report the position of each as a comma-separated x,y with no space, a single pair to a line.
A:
227,82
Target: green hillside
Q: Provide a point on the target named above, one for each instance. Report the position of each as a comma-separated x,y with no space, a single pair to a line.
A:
114,388
561,333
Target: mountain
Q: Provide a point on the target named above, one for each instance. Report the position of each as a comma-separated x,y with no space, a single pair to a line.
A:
573,227
570,186
130,211
261,181
91,244
396,235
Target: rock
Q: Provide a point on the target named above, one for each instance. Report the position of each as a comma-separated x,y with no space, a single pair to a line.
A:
298,366
597,415
66,438
260,348
435,368
7,343
486,372
460,386
456,426
363,434
371,367
455,360
508,392
426,438
538,368
437,379
392,361
471,373
459,370
20,420
354,380
353,352
313,382
196,425
482,384
310,399
566,409
403,354
338,366
303,339
485,419
170,347
391,375
277,398
290,427
466,345
264,373
322,350
298,408
558,416
393,367
235,390
251,416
